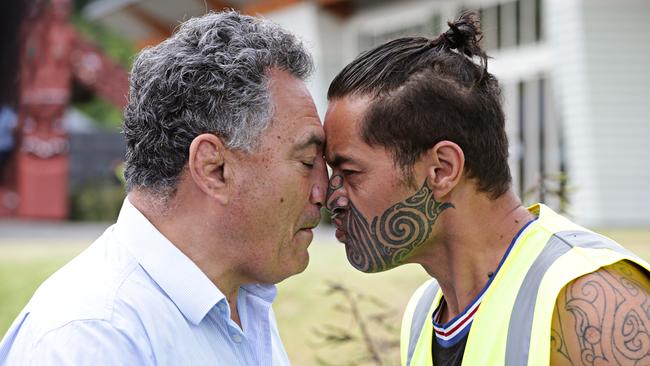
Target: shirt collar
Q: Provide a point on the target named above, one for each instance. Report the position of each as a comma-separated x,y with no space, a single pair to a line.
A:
181,279
266,293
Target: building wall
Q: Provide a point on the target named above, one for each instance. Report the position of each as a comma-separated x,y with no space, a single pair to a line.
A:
600,53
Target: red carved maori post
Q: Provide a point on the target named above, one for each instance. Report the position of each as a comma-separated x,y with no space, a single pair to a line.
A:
52,55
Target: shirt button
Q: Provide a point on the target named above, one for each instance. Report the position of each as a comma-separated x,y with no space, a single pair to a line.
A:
236,338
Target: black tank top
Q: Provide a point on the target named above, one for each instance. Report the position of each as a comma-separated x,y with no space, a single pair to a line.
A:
448,356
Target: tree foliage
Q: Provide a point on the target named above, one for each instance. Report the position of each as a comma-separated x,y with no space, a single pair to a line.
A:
115,47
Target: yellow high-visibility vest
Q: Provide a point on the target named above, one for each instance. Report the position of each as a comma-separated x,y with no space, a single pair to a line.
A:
513,323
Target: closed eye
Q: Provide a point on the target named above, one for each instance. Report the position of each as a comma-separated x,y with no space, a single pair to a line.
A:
308,162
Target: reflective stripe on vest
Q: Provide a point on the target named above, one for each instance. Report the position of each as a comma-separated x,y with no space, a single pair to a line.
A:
521,319
420,317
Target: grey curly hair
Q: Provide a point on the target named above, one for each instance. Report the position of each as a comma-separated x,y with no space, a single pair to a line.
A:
211,76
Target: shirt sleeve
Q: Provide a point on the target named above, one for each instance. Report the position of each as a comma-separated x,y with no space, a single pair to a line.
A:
90,342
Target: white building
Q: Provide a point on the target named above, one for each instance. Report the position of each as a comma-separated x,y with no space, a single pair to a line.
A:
574,77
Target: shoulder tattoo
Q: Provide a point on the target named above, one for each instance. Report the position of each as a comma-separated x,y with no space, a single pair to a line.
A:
603,318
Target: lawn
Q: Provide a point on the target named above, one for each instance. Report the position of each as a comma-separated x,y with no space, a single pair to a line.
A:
317,325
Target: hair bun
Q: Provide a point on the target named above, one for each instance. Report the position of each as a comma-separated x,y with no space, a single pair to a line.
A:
464,35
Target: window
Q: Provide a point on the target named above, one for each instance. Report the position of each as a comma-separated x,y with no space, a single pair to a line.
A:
539,169
510,24
430,28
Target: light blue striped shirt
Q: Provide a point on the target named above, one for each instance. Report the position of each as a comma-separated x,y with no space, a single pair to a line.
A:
133,298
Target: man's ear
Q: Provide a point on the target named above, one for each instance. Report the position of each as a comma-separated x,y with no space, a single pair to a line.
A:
447,162
207,166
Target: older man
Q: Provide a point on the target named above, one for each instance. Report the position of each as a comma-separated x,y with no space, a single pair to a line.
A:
225,181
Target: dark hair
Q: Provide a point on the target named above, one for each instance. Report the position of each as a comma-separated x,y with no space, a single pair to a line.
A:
429,90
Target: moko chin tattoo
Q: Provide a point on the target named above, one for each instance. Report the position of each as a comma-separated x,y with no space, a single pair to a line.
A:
387,240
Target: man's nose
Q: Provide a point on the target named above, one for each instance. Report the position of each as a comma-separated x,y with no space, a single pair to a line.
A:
336,196
319,188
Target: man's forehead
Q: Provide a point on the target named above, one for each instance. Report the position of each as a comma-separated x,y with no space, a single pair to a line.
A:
342,145
345,117
315,136
295,123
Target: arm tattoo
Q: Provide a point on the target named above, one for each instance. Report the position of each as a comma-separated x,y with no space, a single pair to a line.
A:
558,345
603,318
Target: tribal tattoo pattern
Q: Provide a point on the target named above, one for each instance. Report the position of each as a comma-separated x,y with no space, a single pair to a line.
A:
385,241
603,318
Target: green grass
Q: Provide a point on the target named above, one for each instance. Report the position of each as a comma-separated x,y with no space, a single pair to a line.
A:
303,307
23,267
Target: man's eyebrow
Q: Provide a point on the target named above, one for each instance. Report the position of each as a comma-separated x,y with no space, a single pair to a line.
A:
338,160
313,139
